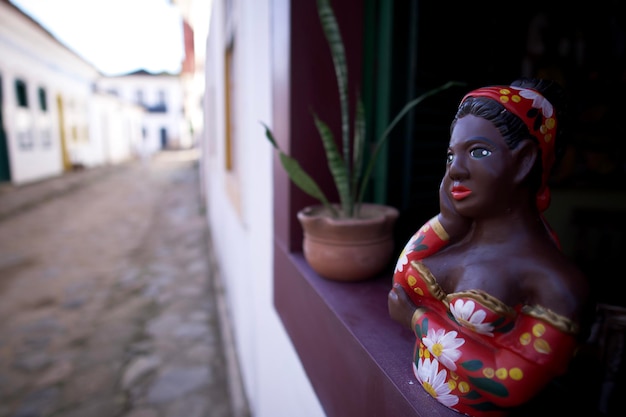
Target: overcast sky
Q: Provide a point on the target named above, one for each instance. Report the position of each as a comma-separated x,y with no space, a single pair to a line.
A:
116,36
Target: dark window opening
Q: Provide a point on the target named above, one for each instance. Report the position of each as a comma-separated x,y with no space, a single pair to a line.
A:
163,137
21,93
43,99
583,52
157,108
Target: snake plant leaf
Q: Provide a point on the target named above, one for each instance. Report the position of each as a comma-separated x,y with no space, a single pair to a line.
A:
358,149
304,181
298,175
336,166
270,136
338,53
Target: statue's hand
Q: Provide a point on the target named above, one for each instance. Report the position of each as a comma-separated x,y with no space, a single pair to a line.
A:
454,224
400,306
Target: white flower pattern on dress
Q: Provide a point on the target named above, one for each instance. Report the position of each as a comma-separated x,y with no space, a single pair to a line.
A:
443,346
403,259
434,381
467,315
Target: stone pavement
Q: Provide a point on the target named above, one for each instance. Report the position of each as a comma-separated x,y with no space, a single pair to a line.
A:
110,305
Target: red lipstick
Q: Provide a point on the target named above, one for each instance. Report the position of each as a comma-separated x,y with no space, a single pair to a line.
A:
460,192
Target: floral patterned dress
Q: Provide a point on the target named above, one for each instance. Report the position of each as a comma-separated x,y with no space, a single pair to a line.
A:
474,353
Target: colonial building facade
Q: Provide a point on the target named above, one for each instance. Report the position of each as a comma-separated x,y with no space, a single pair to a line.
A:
58,112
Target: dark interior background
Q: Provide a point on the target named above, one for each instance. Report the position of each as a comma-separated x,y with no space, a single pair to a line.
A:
582,48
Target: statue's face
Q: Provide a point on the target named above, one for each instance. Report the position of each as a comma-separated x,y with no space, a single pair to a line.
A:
480,169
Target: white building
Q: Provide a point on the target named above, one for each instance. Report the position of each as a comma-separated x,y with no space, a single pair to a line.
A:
116,128
53,118
161,96
46,91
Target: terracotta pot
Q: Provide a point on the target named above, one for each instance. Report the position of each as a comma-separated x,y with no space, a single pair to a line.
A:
348,249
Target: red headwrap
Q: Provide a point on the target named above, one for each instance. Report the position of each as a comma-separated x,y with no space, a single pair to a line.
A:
538,115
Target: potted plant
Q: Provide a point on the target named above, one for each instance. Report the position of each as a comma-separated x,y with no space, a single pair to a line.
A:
351,240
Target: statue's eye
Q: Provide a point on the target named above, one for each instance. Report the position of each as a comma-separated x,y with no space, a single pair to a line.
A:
480,153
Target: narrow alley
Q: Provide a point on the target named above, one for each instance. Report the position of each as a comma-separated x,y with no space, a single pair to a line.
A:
108,303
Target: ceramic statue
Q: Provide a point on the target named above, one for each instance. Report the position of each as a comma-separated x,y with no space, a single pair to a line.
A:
495,305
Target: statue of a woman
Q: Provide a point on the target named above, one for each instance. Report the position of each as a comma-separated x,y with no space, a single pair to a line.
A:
495,305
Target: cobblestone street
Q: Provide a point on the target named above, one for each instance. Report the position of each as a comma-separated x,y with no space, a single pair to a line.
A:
108,303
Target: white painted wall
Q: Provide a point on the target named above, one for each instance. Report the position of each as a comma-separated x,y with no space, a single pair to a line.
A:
116,129
29,53
126,86
240,213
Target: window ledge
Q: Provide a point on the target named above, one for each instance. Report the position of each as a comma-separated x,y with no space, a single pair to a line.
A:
357,358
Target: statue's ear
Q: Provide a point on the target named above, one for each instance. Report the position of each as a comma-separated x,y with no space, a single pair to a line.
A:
525,155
